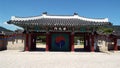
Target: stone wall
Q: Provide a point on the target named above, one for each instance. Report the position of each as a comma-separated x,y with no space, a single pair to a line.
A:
102,43
16,42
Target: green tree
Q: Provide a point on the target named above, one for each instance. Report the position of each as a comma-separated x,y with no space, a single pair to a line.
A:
105,30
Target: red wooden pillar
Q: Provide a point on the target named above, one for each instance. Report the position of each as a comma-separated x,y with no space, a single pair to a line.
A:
27,43
92,43
47,41
85,41
31,41
72,42
115,44
2,42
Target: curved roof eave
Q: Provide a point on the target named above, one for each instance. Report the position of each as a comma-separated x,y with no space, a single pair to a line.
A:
14,18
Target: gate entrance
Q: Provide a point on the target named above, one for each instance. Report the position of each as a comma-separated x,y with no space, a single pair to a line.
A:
37,42
79,43
40,43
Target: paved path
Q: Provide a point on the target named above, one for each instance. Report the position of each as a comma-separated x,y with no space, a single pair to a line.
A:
15,59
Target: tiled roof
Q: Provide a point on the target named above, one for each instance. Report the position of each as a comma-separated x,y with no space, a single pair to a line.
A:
4,29
59,17
116,30
57,21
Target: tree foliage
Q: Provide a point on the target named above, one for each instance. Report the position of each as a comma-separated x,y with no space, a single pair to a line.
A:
105,30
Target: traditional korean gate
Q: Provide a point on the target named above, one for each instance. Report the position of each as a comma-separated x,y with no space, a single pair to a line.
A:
60,42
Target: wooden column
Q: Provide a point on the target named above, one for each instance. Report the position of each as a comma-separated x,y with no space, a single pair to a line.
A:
30,36
72,41
115,44
47,41
85,39
92,43
27,42
88,46
31,41
2,42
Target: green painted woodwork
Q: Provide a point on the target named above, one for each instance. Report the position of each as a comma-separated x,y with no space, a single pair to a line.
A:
82,29
37,28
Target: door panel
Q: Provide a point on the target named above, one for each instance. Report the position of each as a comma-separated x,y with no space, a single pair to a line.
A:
60,42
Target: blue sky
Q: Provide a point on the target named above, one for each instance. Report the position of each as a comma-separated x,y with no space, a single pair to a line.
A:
87,8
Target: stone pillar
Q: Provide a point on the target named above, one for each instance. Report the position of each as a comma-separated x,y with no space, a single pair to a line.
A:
47,41
92,43
115,44
72,41
27,42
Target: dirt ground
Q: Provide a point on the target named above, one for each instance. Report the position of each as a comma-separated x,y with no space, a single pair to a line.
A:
17,59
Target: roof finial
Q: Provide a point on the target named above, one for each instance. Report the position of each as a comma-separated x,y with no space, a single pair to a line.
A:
44,13
75,13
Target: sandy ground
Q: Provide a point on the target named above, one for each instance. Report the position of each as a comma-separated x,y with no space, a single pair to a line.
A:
16,59
44,46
